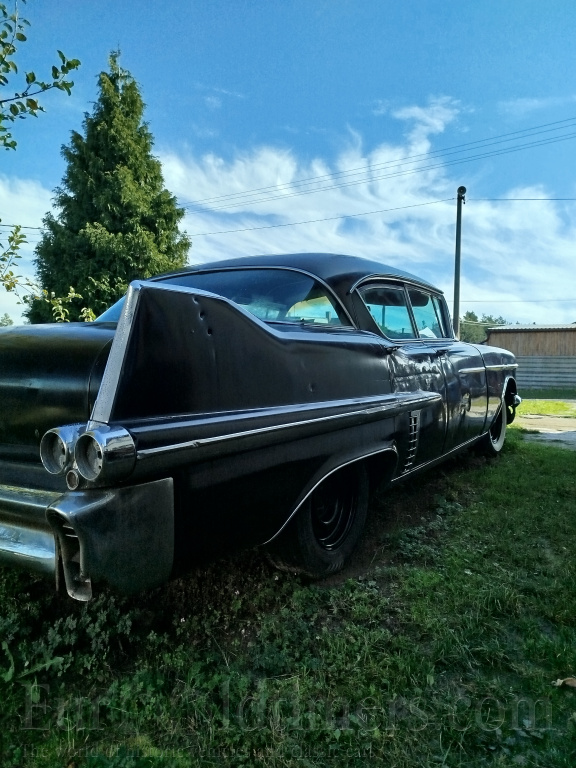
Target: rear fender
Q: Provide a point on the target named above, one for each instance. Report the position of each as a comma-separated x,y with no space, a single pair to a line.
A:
380,463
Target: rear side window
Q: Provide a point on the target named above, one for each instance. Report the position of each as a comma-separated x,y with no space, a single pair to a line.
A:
406,313
388,307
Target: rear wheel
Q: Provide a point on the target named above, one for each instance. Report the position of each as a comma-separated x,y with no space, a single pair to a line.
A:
323,534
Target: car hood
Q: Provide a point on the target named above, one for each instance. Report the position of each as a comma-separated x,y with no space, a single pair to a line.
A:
49,376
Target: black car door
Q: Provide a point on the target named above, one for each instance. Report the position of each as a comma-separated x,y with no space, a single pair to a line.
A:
461,364
414,365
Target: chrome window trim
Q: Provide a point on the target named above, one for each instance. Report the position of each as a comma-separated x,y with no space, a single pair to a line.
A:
398,278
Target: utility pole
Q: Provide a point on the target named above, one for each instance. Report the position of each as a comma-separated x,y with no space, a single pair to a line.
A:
461,199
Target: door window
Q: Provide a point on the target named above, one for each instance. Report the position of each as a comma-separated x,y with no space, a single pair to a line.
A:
428,314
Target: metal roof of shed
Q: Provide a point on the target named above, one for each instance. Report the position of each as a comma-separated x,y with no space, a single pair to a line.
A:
533,327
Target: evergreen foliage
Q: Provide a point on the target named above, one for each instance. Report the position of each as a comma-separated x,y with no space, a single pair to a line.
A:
115,221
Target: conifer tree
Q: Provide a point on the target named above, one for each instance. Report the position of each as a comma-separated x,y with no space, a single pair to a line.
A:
115,220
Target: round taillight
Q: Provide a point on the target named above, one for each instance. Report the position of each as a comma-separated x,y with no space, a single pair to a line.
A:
89,457
54,453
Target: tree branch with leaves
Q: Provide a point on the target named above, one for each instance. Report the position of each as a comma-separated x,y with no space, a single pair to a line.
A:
22,102
27,290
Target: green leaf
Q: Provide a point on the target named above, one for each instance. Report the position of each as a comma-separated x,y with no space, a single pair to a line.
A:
21,37
30,78
55,73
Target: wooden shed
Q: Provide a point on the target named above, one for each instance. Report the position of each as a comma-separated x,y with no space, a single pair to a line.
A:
546,354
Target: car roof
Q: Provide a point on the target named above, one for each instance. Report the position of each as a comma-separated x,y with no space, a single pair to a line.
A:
336,269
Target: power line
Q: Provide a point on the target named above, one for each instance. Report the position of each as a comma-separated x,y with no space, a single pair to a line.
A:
513,301
395,174
11,226
393,164
351,215
517,199
501,138
371,213
328,218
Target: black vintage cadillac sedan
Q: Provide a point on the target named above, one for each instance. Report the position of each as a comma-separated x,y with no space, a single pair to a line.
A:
247,402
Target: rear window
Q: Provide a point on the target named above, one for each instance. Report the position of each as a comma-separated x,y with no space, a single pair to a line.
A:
272,295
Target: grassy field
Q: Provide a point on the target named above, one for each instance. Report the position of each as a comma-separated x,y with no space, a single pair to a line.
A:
438,647
547,408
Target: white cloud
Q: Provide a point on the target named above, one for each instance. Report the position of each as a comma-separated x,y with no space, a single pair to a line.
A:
380,107
23,202
429,120
213,102
218,91
203,131
517,257
522,108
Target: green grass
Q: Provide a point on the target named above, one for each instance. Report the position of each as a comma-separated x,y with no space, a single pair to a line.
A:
565,393
437,648
547,408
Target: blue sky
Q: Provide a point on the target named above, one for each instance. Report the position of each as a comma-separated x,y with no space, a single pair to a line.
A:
388,105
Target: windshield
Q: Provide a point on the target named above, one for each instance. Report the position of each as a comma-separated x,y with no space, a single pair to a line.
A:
273,295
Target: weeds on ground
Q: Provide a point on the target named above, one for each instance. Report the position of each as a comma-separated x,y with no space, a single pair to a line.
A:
441,650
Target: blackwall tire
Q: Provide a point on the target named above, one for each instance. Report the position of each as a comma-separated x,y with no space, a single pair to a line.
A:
320,538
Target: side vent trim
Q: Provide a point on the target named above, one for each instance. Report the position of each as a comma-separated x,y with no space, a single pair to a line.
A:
413,437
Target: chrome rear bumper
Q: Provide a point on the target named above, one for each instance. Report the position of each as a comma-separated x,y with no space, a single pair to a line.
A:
124,536
26,538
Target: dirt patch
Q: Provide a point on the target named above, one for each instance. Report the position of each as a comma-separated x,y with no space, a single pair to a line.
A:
554,430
